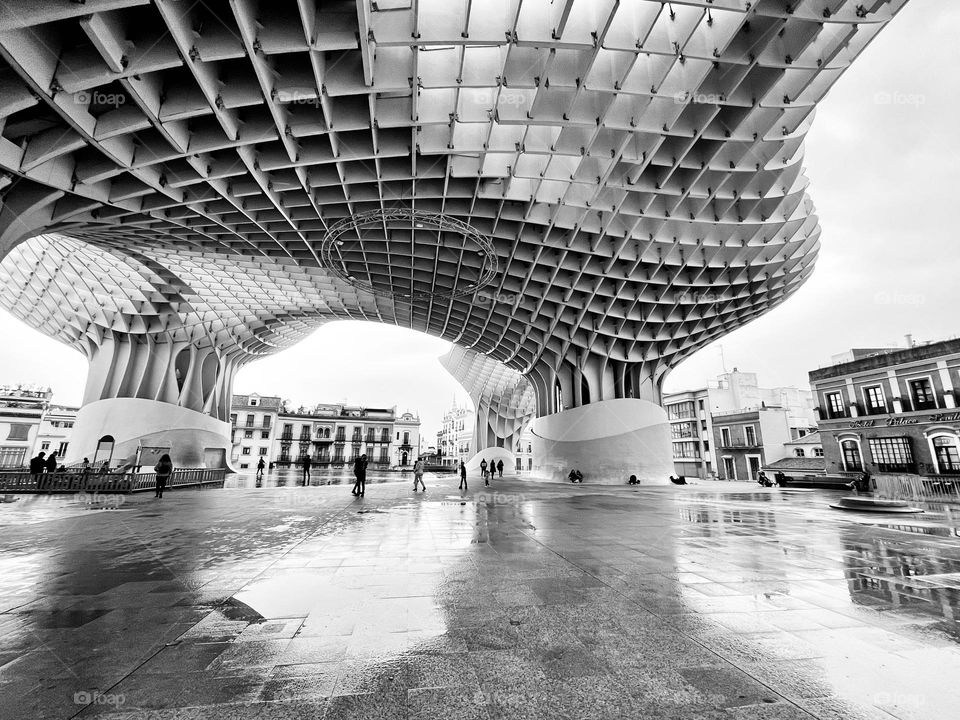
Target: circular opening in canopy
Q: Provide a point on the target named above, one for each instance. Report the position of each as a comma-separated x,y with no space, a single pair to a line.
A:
409,254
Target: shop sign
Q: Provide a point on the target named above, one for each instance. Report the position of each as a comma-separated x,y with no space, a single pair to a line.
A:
945,417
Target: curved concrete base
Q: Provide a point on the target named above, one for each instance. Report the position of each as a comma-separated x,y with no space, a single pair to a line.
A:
193,439
608,441
491,455
862,503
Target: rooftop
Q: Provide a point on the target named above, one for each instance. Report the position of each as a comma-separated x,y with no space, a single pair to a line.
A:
892,358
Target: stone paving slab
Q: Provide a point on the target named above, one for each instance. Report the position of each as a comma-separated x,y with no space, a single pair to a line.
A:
524,600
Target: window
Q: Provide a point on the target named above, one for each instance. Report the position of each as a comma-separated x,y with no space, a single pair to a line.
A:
62,450
851,455
682,430
250,420
233,418
680,411
19,431
799,452
818,452
892,454
706,446
725,437
874,400
245,451
244,466
45,445
946,453
264,434
834,405
263,452
689,450
12,456
751,434
254,402
248,434
729,469
922,393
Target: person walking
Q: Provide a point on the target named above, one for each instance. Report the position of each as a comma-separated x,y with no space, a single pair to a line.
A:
38,464
306,469
260,467
463,477
84,473
418,474
163,469
483,471
360,473
500,468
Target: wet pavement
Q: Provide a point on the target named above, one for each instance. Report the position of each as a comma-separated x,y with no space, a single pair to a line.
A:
523,600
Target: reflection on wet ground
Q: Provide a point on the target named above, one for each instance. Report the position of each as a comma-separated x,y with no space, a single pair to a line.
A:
522,600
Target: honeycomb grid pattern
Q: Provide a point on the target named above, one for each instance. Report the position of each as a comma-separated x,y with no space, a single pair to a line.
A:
635,164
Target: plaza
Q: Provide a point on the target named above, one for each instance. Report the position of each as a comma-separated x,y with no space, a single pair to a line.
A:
522,600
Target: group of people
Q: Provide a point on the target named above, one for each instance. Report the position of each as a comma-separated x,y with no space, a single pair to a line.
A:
488,473
44,464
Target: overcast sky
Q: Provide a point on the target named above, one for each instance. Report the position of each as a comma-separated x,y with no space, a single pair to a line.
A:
883,160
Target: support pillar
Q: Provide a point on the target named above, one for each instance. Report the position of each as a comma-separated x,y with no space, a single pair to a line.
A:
156,393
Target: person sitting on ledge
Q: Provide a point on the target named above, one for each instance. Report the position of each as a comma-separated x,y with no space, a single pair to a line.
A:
678,480
861,484
575,476
633,480
763,480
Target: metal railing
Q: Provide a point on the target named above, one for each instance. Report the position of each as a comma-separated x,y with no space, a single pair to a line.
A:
918,487
21,481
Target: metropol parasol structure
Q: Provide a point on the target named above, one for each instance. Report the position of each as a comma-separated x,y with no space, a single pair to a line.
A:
578,194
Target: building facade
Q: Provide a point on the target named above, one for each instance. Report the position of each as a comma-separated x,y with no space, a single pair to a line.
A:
22,410
691,432
253,420
750,439
327,433
455,439
55,430
892,412
692,415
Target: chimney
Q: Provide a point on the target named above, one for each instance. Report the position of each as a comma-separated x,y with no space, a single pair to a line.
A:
909,338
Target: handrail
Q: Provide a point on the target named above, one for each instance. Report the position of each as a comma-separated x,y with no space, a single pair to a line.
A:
23,481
